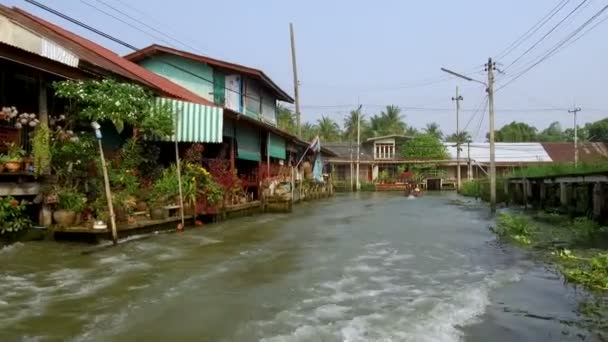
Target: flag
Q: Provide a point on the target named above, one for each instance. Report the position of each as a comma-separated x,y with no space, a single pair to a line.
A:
315,145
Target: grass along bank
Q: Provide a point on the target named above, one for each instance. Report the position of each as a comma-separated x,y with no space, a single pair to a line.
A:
553,170
577,247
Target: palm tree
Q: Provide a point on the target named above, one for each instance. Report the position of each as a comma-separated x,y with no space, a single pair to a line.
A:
286,119
309,131
393,120
388,122
350,124
461,137
433,129
328,129
411,131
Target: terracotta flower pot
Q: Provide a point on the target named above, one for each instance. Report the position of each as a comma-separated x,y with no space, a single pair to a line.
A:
120,214
141,206
12,166
64,217
159,213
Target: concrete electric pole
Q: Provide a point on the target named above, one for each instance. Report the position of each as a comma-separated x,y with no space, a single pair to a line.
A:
457,98
490,67
575,111
296,83
358,144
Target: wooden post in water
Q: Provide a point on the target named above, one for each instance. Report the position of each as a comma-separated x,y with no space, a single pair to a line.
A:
563,194
543,193
526,185
597,200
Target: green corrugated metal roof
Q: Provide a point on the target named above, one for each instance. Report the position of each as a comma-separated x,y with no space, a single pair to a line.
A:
196,122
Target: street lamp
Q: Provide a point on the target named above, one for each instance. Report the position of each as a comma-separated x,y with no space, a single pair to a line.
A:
490,90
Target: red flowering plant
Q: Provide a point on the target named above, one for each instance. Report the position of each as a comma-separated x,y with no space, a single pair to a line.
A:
13,217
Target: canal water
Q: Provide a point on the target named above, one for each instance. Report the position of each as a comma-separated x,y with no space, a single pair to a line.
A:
366,267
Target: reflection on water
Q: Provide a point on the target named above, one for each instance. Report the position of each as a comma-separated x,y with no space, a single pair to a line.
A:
367,267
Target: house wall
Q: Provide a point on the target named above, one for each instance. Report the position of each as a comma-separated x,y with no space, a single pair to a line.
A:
193,80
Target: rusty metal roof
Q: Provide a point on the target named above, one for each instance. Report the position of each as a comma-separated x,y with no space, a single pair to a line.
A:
97,58
590,152
255,73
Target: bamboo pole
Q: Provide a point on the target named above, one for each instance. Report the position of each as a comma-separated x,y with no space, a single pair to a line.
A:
179,172
106,181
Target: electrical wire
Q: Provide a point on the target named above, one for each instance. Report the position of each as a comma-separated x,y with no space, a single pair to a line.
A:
556,48
532,30
480,123
143,24
546,34
483,103
127,45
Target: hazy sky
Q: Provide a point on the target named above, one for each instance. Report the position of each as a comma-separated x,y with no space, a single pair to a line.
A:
381,52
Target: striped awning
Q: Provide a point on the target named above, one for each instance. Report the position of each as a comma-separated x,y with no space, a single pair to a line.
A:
196,122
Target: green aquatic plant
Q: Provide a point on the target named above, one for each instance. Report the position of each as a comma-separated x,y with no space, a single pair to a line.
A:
513,226
591,272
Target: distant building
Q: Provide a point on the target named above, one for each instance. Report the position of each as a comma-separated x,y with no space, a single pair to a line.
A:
380,157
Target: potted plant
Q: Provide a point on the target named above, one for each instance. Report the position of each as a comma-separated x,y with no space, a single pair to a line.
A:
157,208
70,202
12,161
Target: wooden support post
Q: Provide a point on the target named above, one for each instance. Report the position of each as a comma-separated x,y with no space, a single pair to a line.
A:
231,154
43,112
506,189
598,201
563,194
543,194
526,185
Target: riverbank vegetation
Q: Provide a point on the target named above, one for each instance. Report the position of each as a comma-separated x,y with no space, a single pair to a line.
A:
480,189
578,247
554,169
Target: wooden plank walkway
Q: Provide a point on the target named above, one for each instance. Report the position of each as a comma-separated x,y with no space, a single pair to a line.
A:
121,227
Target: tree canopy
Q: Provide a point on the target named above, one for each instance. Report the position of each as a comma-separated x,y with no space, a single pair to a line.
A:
424,146
434,130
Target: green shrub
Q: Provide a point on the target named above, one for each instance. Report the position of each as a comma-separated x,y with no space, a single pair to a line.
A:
12,216
368,187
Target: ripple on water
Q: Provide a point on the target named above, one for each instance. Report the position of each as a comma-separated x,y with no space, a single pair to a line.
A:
373,302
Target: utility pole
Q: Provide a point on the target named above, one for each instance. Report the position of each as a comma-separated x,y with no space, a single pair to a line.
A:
296,83
490,67
358,145
575,111
457,98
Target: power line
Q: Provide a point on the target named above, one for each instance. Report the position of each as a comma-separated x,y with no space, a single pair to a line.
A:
556,48
532,30
546,34
124,21
143,23
482,104
483,115
81,24
127,45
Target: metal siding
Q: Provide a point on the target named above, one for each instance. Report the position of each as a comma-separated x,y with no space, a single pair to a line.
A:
198,79
57,53
248,143
276,147
505,152
196,123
